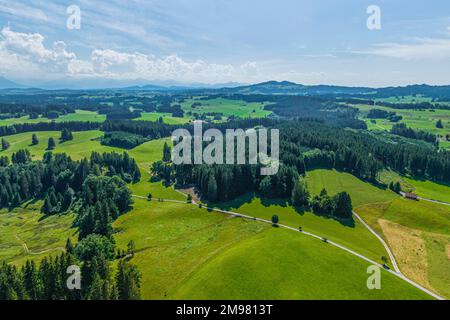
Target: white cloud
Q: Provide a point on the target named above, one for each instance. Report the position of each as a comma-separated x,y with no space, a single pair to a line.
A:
434,49
29,48
27,52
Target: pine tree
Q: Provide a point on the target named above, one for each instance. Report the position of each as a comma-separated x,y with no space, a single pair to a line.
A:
47,208
5,144
51,144
212,188
343,205
34,139
439,124
167,153
31,280
300,194
69,247
128,281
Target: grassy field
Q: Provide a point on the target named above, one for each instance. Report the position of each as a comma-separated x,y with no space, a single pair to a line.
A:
227,107
82,145
420,120
430,190
173,240
145,155
279,264
350,234
79,115
154,116
444,145
26,234
419,234
334,181
423,188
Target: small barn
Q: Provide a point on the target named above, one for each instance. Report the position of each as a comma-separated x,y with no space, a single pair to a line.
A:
411,196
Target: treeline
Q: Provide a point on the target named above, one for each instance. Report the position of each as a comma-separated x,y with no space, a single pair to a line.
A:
383,114
402,130
149,130
48,126
50,111
122,139
397,105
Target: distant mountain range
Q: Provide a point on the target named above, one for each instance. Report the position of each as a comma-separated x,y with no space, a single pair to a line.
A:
286,87
8,84
269,87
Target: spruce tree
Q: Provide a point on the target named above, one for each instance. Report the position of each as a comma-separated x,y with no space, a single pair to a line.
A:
34,139
300,194
5,144
51,144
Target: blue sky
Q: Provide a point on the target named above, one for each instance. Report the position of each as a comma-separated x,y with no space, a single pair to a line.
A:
218,41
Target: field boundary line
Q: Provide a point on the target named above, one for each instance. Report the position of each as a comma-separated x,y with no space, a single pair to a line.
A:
391,255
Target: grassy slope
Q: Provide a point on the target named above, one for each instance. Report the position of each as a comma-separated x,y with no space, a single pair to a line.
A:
430,190
355,236
334,181
154,116
173,240
279,264
421,215
145,155
43,236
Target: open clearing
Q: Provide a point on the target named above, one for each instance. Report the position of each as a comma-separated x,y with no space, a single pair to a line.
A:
82,145
349,234
79,115
227,107
334,181
26,234
417,119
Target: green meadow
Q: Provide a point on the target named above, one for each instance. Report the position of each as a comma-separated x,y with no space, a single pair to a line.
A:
227,107
167,118
173,240
351,234
430,190
82,145
280,264
334,181
79,115
417,119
